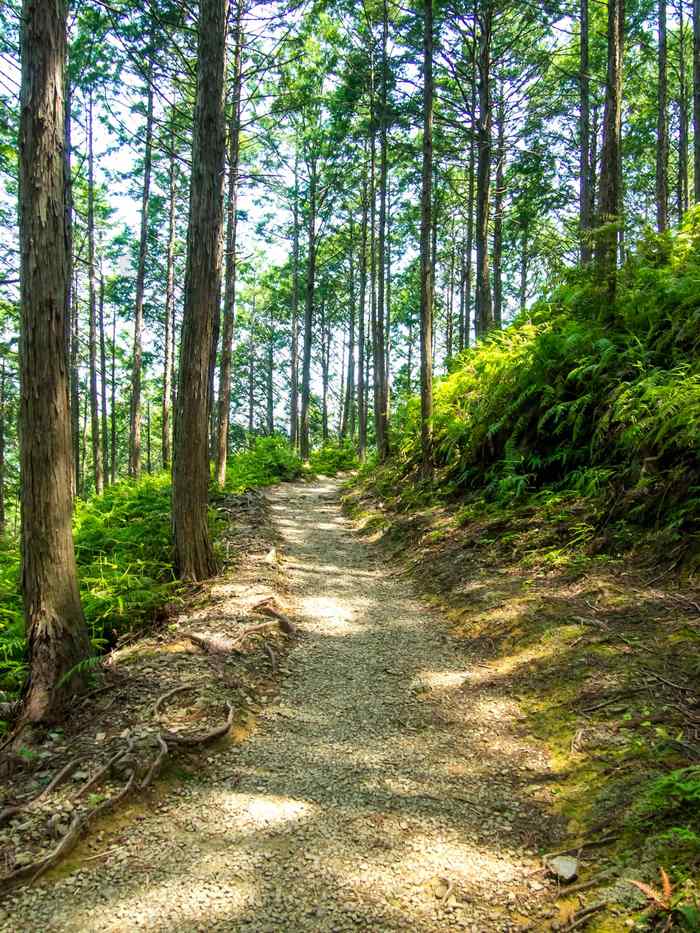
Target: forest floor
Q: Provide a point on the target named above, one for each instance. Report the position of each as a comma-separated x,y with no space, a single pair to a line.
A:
384,783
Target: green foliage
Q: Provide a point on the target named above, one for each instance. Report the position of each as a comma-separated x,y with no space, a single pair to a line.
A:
269,460
333,457
583,397
675,795
124,552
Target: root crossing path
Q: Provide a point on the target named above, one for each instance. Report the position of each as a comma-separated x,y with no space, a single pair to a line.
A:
389,786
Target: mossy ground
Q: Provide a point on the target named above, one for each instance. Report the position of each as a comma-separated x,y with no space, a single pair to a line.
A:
600,648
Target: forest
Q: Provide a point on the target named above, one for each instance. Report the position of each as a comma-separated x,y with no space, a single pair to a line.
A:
449,252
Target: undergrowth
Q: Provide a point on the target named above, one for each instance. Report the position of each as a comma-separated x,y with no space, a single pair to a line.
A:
333,457
123,544
583,398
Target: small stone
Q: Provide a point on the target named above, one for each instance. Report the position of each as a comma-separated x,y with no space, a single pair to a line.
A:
563,867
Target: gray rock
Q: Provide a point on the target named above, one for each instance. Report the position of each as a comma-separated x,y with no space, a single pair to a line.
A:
563,867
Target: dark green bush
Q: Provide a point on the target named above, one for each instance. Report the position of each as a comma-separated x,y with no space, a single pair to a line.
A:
333,457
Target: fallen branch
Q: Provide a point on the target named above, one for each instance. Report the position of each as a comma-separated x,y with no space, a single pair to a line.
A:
214,644
583,916
285,622
593,844
585,885
201,738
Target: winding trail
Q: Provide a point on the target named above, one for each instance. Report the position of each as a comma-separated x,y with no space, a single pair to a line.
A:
387,787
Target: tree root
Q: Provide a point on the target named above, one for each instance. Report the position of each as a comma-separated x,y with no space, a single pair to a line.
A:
9,812
285,622
157,764
91,782
200,738
166,696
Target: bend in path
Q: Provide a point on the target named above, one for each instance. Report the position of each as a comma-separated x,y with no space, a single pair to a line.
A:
387,788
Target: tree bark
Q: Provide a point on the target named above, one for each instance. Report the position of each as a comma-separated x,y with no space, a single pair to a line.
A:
231,265
113,402
305,442
585,193
57,636
662,126
294,366
348,419
92,331
103,383
499,196
74,387
696,99
193,551
609,200
137,361
484,310
379,336
169,323
2,450
426,266
361,341
683,121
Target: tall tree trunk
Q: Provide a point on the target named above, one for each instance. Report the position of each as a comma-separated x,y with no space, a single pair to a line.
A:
696,99
294,368
2,450
426,266
169,322
610,169
499,196
75,387
103,383
379,336
92,286
683,122
361,341
137,361
230,265
57,636
270,373
113,402
149,458
305,442
325,359
524,264
585,193
662,126
465,326
484,300
348,419
193,550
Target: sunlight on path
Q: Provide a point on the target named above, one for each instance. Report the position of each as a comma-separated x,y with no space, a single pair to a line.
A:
379,791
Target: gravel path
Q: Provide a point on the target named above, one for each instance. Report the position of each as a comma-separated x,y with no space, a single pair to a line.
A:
387,787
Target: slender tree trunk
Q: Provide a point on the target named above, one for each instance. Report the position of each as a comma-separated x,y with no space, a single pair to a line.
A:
251,376
75,388
149,458
137,361
696,99
683,122
662,126
305,443
193,550
169,322
57,637
585,199
103,383
361,343
466,318
92,286
610,169
524,265
231,265
325,354
348,421
426,265
484,301
294,370
270,374
499,196
2,450
379,336
113,402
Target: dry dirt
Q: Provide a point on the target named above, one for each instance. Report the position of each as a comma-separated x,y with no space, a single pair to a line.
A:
387,786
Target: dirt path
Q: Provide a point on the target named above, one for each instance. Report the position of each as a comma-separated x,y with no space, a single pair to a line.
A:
386,788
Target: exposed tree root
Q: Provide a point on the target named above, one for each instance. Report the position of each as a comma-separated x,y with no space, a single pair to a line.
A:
166,696
104,770
9,812
285,622
203,737
154,770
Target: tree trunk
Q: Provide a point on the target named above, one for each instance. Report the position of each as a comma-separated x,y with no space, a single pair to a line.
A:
169,323
57,636
294,370
193,550
696,99
610,168
75,388
325,359
231,266
2,450
498,215
135,417
361,343
379,336
305,443
426,266
484,310
149,459
103,384
92,287
683,122
113,400
585,193
662,126
348,420
524,264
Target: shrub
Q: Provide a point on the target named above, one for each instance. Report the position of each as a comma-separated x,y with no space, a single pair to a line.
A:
333,457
